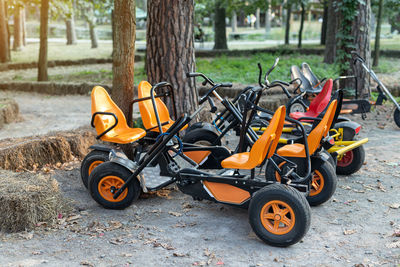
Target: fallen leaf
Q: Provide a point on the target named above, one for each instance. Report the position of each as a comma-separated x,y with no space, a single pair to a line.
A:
396,233
349,232
395,206
176,254
27,236
86,263
393,245
116,241
115,224
127,255
220,262
36,253
358,191
176,214
380,187
73,218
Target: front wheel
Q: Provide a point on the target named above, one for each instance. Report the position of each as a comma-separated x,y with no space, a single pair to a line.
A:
396,117
323,184
90,162
351,161
279,215
106,179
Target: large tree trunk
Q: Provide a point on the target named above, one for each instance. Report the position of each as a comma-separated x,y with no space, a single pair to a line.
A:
378,35
23,25
331,31
324,22
93,34
4,55
287,25
17,45
124,55
303,13
44,23
268,17
258,18
361,33
234,21
220,41
170,49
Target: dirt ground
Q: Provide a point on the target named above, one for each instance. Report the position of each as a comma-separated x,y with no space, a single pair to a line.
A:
359,225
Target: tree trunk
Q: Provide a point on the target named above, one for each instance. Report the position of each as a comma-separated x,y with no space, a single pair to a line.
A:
8,29
93,34
324,22
287,26
303,13
124,56
378,34
361,34
331,32
258,19
23,25
70,28
268,17
234,21
169,59
44,23
17,45
4,56
220,26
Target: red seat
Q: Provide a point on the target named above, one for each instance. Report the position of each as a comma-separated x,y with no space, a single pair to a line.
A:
319,103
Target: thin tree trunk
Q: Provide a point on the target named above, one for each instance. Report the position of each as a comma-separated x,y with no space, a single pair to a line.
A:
378,34
169,59
234,21
303,12
93,34
23,25
44,23
3,34
324,22
71,32
258,19
268,17
331,32
8,30
124,55
220,26
287,26
17,45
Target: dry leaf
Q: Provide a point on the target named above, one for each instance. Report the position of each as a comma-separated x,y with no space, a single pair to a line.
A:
86,263
176,214
395,206
73,218
115,224
27,236
393,245
349,232
176,254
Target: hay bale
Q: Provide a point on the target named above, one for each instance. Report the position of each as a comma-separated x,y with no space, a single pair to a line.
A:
9,110
27,199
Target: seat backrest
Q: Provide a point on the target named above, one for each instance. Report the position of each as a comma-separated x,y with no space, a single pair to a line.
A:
146,108
322,129
297,74
319,103
305,68
268,141
102,102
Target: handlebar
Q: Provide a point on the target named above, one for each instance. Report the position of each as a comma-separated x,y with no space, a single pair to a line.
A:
357,57
206,79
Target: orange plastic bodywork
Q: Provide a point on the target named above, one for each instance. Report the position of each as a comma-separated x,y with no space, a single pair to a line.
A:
314,138
122,133
263,148
227,193
147,110
197,156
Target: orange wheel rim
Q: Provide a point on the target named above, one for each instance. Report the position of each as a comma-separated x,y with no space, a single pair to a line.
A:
277,217
109,185
277,176
317,183
94,164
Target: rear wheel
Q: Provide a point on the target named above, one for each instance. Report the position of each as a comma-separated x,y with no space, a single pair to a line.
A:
90,162
279,215
351,161
106,179
396,117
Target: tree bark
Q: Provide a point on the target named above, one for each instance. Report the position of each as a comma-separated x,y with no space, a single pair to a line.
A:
234,21
17,45
361,34
324,22
331,32
23,25
44,23
70,27
220,41
93,34
4,49
258,19
124,55
287,26
268,17
170,49
378,34
303,13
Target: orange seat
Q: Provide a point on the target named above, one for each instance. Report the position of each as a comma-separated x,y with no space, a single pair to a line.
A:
121,133
147,110
314,138
263,148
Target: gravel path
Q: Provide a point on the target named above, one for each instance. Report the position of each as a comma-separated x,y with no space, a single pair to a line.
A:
357,226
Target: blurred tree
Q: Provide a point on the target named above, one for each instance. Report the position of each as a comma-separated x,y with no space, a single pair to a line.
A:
325,4
378,34
44,24
170,49
18,25
303,4
220,41
287,24
65,9
4,49
331,32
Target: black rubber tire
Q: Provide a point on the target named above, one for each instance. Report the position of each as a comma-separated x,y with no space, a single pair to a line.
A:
94,155
355,165
113,169
296,201
396,117
330,181
200,134
325,169
331,160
